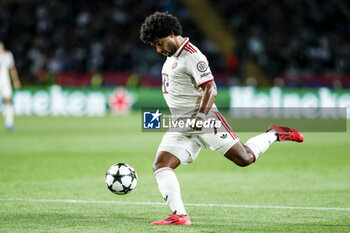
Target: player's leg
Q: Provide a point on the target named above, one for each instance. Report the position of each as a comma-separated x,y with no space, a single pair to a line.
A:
175,149
169,187
8,113
227,143
244,155
168,184
240,155
165,159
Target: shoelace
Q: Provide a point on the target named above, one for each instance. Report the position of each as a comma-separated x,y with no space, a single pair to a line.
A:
286,129
171,219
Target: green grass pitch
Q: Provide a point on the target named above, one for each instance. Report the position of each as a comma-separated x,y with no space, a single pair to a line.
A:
52,180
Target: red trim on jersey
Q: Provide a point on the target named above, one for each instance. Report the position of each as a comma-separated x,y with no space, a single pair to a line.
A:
191,47
190,51
226,126
205,82
183,47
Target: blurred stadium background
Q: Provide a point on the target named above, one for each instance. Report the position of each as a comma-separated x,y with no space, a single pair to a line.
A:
83,60
76,39
85,44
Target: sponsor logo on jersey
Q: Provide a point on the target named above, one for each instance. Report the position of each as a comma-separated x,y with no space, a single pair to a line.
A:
152,120
205,74
202,66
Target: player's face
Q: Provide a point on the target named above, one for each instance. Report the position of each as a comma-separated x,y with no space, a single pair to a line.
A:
165,46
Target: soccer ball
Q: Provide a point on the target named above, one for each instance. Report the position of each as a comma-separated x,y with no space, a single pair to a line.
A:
121,178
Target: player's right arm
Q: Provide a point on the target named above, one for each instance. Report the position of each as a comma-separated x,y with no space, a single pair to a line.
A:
198,68
208,99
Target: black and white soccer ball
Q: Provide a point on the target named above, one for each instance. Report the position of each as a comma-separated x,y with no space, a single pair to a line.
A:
121,178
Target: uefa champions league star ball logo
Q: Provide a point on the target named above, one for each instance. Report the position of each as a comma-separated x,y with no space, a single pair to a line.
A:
120,101
152,120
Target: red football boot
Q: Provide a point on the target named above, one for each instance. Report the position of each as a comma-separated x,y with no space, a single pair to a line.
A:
174,219
286,133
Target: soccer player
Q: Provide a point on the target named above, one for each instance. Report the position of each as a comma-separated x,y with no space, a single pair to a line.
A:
188,84
7,69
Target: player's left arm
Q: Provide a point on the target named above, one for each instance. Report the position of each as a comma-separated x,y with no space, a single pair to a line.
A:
14,76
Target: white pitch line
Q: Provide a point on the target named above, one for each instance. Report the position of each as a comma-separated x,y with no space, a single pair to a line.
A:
159,203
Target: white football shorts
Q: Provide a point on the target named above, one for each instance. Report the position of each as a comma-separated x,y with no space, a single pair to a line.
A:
5,89
186,147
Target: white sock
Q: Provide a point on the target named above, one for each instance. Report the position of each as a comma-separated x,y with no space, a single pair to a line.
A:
170,189
8,115
259,144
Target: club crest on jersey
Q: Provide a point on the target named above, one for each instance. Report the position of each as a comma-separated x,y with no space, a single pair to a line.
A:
174,65
202,66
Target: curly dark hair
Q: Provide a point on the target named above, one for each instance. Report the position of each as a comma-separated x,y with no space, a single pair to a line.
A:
159,25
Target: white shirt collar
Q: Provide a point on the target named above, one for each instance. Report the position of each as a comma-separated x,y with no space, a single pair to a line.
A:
179,50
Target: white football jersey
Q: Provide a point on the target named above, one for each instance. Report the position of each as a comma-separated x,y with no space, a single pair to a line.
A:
6,62
182,75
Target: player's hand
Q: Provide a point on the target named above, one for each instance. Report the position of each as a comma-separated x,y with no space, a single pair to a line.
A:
198,124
